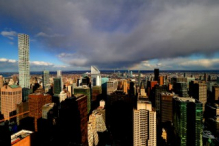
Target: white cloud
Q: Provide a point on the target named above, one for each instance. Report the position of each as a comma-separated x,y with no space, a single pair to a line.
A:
9,34
40,63
42,34
3,60
12,60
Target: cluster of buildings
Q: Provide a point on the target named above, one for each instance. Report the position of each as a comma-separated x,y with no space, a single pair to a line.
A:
107,109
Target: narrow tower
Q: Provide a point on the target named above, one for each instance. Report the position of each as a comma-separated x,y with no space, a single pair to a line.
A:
23,64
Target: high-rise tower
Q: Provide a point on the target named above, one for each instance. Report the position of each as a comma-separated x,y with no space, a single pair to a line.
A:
23,64
45,78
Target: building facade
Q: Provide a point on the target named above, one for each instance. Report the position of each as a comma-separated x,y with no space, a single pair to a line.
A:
10,96
23,63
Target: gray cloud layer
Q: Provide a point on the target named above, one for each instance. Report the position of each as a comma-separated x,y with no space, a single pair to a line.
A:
119,33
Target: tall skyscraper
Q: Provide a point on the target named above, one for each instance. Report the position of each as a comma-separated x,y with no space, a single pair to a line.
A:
187,121
166,107
144,132
45,78
156,74
10,96
59,73
57,86
23,64
199,92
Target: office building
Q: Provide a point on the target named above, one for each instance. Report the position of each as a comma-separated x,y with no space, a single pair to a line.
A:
10,96
104,85
23,63
161,80
85,90
1,81
57,86
166,108
187,121
25,93
215,93
144,132
199,92
21,138
156,74
46,79
59,73
73,118
205,77
180,88
36,102
95,77
111,86
158,89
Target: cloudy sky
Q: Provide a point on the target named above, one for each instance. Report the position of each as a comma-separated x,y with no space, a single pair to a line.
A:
111,34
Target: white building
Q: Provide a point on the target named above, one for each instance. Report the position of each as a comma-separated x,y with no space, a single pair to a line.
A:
23,63
95,76
144,133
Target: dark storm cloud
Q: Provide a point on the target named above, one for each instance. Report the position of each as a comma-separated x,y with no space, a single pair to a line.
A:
119,33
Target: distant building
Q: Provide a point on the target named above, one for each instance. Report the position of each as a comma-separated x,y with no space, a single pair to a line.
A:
161,80
57,86
1,81
111,86
10,97
158,89
95,77
156,74
215,93
180,88
45,78
104,85
166,107
23,63
199,92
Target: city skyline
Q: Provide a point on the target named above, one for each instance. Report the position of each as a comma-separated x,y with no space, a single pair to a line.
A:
131,35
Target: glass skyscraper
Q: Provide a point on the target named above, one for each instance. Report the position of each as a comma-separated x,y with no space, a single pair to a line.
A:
23,64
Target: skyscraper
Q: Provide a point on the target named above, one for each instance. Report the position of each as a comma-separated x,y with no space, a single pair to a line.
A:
23,64
57,86
144,132
156,74
45,78
199,92
187,121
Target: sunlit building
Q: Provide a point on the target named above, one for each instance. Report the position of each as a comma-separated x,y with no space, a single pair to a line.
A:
23,63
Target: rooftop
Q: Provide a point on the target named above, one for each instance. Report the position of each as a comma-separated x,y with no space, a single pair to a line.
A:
14,86
20,135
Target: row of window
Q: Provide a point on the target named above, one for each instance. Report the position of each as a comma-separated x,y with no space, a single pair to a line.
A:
10,93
